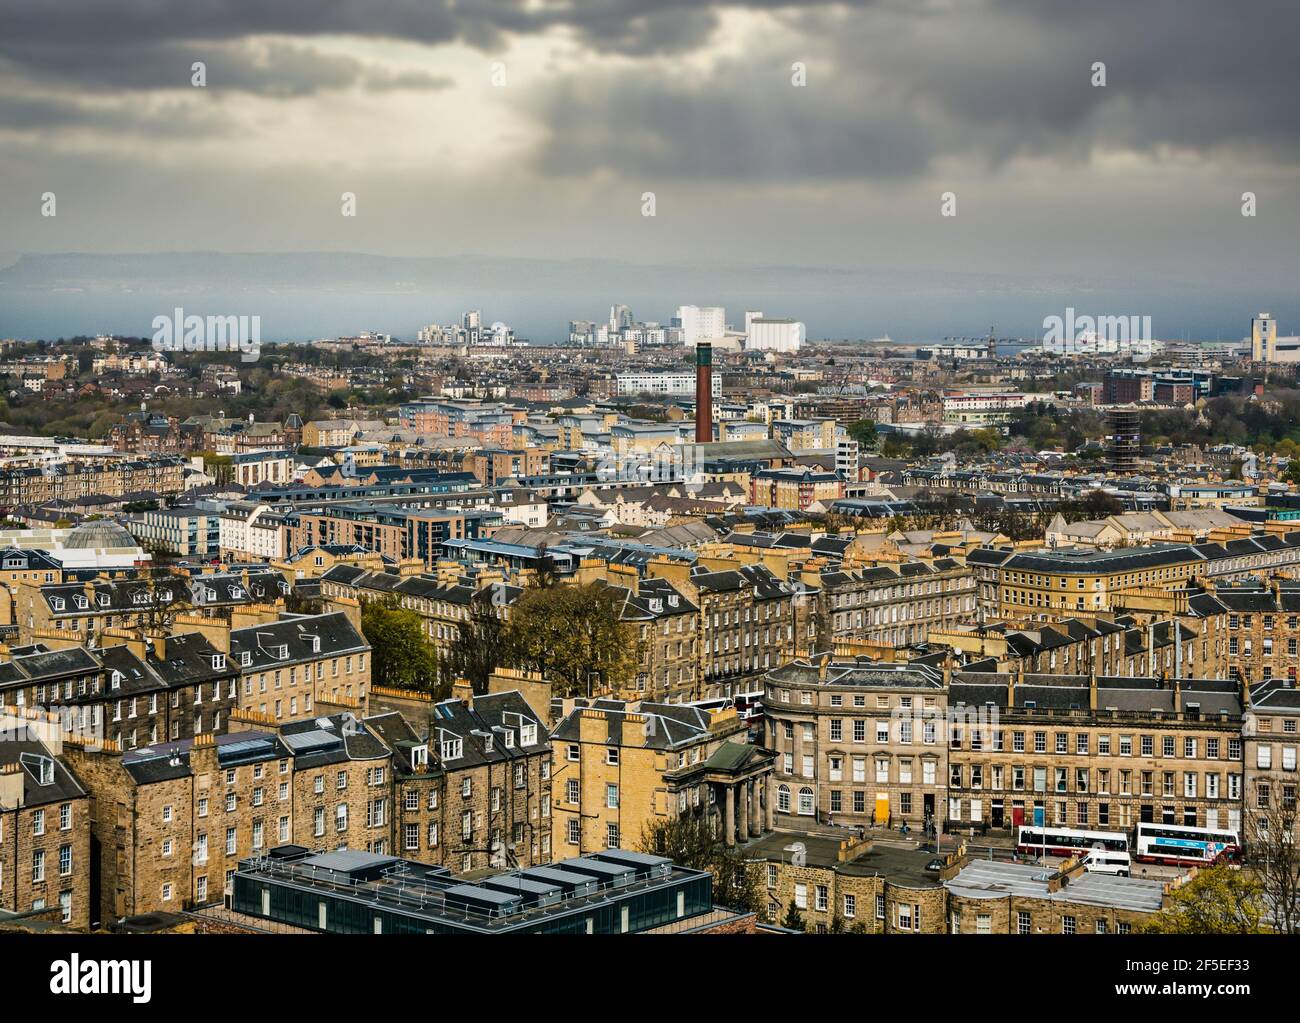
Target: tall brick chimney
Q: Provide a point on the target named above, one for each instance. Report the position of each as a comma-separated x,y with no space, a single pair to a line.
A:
703,393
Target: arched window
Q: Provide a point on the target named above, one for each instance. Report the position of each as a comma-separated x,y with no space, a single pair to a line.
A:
783,798
806,801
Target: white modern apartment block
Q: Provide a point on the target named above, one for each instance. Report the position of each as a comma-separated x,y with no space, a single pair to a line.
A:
701,323
253,532
671,383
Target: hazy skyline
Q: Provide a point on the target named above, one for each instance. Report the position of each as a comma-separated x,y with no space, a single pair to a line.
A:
1125,197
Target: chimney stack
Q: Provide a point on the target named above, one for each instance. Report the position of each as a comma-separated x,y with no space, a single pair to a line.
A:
703,393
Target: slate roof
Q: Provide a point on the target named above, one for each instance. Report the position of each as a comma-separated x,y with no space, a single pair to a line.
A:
255,647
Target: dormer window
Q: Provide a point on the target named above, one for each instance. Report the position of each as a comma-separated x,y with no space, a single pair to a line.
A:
419,756
81,601
245,658
41,767
656,606
57,603
237,592
314,642
103,600
527,734
673,600
115,680
451,749
218,661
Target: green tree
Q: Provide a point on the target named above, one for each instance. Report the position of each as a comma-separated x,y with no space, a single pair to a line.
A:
864,432
1219,900
793,919
691,842
401,657
574,636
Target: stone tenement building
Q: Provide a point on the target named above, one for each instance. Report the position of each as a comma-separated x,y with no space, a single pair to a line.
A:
751,621
134,692
174,819
45,816
472,781
288,667
1119,647
898,605
620,768
857,742
1096,753
667,640
1050,584
849,885
1271,744
71,481
79,612
1261,621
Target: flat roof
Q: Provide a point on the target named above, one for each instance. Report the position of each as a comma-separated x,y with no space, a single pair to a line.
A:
995,879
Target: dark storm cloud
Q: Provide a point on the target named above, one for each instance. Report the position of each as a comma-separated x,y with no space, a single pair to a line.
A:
995,77
902,85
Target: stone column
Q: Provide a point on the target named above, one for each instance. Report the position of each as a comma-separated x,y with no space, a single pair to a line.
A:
729,819
755,810
743,793
769,801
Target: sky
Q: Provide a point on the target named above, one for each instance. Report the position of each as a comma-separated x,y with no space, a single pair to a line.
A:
495,144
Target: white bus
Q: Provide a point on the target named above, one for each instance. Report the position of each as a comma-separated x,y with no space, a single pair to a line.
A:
1033,841
1178,844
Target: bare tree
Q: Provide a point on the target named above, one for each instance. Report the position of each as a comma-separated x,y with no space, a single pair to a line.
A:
1274,852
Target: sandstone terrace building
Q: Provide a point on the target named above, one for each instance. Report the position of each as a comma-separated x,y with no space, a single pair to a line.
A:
857,742
174,819
1095,753
895,605
1048,584
135,692
79,612
621,767
1119,647
472,780
1271,742
45,819
700,633
71,481
291,667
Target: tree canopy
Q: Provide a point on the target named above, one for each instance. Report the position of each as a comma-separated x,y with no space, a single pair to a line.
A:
1218,900
401,656
574,636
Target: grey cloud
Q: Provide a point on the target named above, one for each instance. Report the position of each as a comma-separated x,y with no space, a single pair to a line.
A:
893,89
274,69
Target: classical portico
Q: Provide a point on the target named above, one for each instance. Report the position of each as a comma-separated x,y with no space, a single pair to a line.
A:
741,797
